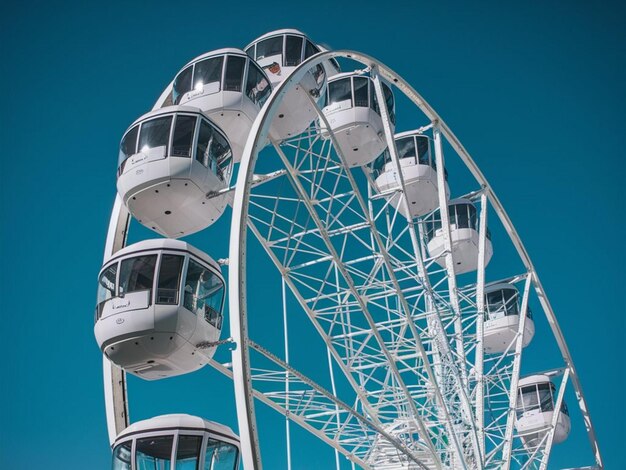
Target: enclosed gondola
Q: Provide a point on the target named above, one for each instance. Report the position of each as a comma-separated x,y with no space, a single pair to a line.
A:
419,173
463,233
535,410
170,160
227,86
353,114
159,308
177,441
280,53
502,318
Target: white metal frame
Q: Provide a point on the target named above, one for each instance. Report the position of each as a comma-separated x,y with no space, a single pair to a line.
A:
443,337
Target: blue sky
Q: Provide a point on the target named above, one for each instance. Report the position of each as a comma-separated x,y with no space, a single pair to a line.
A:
535,92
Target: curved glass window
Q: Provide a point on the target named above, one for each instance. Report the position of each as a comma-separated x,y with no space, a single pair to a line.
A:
269,47
182,84
379,163
213,150
416,147
169,279
340,90
405,147
233,78
188,452
137,274
545,396
106,287
293,51
310,49
222,154
538,397
220,456
389,101
462,215
501,302
154,136
207,74
361,91
122,456
128,146
204,292
182,141
423,150
154,453
203,145
258,87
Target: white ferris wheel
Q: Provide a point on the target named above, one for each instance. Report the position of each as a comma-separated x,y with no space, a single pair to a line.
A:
376,227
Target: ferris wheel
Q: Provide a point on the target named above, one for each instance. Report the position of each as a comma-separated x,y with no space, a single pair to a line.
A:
371,221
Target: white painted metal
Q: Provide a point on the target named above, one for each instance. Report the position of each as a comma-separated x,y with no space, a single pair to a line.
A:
115,396
386,314
488,194
507,443
232,108
295,112
480,316
420,180
155,333
554,424
165,188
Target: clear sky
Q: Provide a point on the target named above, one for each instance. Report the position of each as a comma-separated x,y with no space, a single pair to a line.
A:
535,92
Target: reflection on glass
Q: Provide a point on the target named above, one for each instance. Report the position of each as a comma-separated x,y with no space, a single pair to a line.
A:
128,146
203,293
293,51
501,302
310,49
406,147
340,90
188,452
257,86
220,456
137,274
233,77
462,215
182,84
361,91
208,72
169,279
106,286
213,150
389,101
269,47
545,396
154,453
182,141
154,135
204,143
122,456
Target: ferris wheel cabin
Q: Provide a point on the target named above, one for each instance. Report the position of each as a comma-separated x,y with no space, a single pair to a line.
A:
502,315
353,115
535,409
169,160
280,53
176,441
158,300
419,173
464,237
228,87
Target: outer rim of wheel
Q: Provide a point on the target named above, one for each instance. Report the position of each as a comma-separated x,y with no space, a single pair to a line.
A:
242,379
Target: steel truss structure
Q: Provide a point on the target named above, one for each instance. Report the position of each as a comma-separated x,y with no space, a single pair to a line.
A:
403,337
